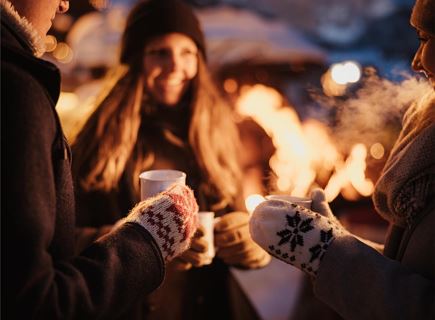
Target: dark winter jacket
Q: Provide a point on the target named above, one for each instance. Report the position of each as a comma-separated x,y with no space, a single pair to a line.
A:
42,277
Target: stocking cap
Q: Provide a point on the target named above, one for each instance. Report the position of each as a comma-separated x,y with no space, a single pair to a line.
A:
151,18
423,16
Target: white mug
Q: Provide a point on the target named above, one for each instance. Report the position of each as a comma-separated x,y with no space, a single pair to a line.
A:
304,202
153,182
206,219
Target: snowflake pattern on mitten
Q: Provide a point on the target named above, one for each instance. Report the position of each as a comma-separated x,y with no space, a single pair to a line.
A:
294,234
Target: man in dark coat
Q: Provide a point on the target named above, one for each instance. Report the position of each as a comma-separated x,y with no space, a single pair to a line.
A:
43,276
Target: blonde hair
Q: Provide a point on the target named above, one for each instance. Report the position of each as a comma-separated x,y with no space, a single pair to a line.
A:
103,145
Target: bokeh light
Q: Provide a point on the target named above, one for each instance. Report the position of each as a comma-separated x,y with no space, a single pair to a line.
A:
346,72
230,85
50,43
377,151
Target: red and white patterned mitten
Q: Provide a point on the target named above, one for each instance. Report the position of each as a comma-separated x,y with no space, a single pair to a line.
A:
294,234
171,217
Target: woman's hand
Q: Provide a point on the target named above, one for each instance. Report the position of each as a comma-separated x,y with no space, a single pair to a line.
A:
294,234
234,243
196,255
170,217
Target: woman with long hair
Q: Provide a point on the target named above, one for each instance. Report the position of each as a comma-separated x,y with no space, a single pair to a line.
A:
161,110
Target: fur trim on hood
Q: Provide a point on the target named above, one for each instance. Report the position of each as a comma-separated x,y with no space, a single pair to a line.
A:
23,27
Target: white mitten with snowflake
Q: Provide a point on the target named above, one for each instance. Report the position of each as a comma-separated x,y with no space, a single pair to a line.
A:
321,206
171,217
294,234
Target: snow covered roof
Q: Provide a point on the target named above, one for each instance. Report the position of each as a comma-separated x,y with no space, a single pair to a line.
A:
232,35
238,35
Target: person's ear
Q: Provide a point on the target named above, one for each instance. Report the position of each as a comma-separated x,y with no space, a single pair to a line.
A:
63,6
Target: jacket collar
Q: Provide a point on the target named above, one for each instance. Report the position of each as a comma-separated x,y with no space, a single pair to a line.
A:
16,51
22,28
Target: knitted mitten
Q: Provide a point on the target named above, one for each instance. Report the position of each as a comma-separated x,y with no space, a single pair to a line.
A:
234,243
170,217
294,234
320,205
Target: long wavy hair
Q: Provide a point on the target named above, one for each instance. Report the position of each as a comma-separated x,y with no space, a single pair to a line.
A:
110,136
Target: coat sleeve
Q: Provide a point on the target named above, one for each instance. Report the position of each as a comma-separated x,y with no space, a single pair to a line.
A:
360,283
101,282
85,236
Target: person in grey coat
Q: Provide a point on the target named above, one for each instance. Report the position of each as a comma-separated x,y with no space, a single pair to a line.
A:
42,276
348,274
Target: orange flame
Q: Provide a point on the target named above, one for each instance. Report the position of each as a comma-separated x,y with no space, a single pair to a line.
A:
305,152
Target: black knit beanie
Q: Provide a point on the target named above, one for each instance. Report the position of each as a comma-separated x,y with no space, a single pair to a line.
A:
151,18
423,16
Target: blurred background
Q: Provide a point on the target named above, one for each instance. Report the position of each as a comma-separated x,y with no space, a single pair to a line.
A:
319,86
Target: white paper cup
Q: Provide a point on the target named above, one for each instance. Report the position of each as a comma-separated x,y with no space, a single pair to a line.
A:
304,202
206,219
153,182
